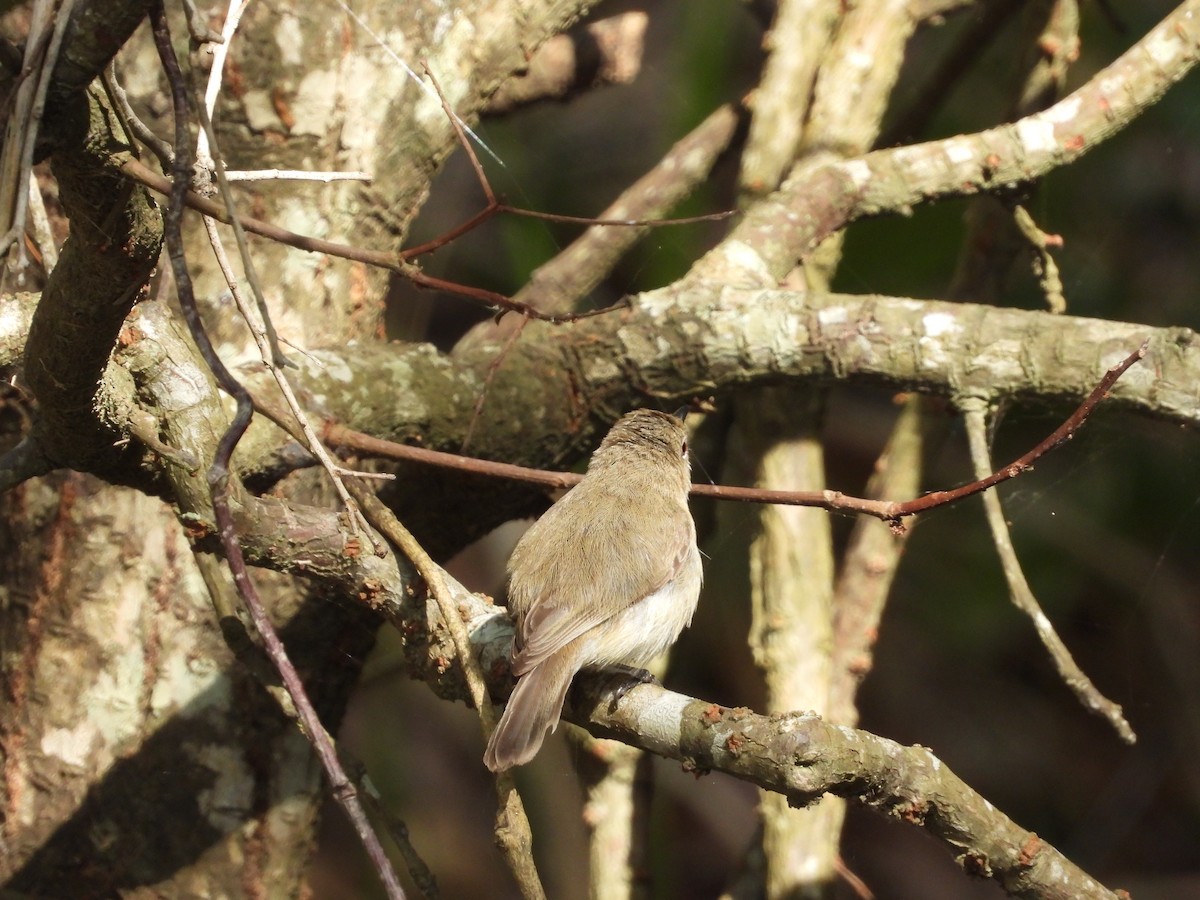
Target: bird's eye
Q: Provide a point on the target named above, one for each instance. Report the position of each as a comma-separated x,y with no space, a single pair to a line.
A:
683,449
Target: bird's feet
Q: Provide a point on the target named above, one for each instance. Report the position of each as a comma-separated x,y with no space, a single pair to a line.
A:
621,679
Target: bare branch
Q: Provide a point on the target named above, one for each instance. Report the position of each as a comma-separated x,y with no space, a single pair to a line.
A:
975,412
815,203
601,53
803,757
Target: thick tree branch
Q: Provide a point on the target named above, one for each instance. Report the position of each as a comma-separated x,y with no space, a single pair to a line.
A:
98,29
718,339
605,52
677,344
803,757
116,233
814,203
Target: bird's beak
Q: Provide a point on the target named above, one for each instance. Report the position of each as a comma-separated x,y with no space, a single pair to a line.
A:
681,413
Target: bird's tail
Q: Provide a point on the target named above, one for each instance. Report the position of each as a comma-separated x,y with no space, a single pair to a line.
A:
533,709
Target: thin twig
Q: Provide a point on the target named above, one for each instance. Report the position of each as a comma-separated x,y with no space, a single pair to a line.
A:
975,413
137,128
386,523
513,830
219,475
28,127
1065,432
422,876
220,52
312,442
264,334
136,171
495,206
295,175
205,156
889,511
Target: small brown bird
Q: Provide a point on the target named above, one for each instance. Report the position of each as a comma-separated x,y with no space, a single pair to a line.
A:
608,576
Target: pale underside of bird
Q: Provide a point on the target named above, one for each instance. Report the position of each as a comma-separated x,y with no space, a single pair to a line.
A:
610,575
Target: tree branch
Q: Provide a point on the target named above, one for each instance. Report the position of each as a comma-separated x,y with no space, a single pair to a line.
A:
802,757
605,52
116,234
1089,696
812,204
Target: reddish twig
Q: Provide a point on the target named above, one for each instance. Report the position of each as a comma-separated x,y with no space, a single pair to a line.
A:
889,511
495,206
398,263
1060,436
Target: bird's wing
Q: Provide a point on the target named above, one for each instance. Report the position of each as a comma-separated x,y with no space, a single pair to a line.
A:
580,595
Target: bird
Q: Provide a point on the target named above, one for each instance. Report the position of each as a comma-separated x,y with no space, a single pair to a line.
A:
608,577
